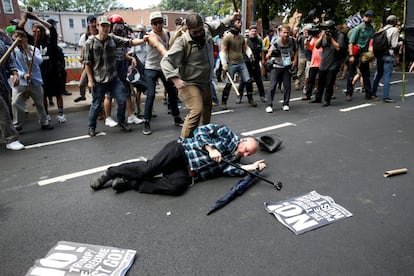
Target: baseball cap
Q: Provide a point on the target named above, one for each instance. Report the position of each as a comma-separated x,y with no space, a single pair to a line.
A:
369,13
52,21
155,15
90,18
179,21
391,18
253,27
15,21
103,20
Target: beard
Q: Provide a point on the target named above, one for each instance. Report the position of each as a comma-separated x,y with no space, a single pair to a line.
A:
199,39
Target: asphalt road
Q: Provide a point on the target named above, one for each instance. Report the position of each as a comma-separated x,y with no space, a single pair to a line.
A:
333,150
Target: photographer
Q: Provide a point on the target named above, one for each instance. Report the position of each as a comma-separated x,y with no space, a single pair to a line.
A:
283,57
332,41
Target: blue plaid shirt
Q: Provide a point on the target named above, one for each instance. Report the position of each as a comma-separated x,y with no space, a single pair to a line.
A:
5,71
219,137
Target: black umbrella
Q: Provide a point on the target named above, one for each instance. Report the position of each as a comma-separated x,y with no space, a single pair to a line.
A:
234,192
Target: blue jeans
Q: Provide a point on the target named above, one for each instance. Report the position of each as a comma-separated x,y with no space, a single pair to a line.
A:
385,65
117,89
242,69
152,76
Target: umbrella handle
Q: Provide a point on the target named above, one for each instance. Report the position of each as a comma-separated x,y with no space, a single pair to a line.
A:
277,185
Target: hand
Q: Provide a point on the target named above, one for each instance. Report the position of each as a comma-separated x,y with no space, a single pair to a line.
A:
15,80
91,84
351,59
26,77
178,83
133,62
260,165
214,155
225,68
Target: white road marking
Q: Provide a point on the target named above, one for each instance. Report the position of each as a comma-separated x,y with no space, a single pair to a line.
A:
397,81
260,130
38,145
409,94
355,107
222,112
65,177
292,99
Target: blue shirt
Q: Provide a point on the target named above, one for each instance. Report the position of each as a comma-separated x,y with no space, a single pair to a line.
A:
218,137
23,61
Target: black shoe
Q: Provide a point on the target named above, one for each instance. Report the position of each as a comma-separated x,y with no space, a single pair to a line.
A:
18,128
326,104
124,127
147,128
386,100
178,121
239,100
46,127
78,99
100,181
121,185
66,93
305,98
315,101
91,132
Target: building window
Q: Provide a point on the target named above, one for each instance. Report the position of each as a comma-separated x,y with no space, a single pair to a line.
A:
7,6
83,23
165,18
71,25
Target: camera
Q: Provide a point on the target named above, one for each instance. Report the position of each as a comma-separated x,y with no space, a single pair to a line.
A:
329,27
315,30
276,53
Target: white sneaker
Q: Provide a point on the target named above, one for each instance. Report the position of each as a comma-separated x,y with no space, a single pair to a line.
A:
48,118
269,109
109,122
133,119
61,118
16,145
286,108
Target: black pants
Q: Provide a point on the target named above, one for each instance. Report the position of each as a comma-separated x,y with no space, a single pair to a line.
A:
278,75
170,162
326,83
365,73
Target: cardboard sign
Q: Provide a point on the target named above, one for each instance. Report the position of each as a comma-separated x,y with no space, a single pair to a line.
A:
307,212
70,259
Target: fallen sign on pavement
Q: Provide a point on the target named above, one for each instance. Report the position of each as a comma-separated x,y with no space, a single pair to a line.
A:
70,259
307,212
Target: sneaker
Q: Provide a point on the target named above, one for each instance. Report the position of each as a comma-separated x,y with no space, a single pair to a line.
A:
133,119
147,128
78,99
388,100
286,108
239,100
263,100
61,118
215,103
269,109
91,132
372,98
15,145
223,107
66,93
348,98
48,118
109,122
178,121
100,181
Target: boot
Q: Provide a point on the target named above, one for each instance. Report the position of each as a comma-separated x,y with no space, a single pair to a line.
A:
226,92
251,101
121,184
100,181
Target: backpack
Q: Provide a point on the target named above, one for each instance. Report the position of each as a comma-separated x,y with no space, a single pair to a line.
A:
380,43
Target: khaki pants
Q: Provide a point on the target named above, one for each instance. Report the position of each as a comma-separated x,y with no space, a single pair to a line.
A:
198,102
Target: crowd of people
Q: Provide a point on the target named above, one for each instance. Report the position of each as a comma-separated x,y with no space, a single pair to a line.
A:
189,62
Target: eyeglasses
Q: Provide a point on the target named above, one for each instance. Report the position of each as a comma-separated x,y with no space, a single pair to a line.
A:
157,22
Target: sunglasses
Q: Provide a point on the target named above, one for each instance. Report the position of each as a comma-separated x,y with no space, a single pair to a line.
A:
157,22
